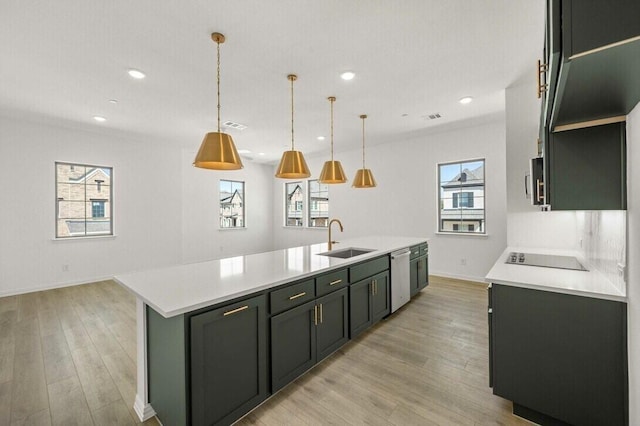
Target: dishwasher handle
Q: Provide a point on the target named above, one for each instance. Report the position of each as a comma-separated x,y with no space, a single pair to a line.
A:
400,253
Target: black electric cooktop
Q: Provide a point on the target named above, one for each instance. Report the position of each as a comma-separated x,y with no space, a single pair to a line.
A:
545,261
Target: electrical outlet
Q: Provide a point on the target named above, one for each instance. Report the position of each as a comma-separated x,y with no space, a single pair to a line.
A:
463,262
65,268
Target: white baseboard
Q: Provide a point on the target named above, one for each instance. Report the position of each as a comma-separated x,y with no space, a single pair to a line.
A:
16,291
479,280
144,410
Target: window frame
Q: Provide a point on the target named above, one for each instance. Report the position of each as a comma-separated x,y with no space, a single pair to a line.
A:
88,201
479,224
310,204
243,204
286,217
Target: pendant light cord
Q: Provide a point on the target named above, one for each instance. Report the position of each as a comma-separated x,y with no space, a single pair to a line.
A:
331,100
363,117
291,79
218,87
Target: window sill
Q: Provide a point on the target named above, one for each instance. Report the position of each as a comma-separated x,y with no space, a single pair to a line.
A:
317,228
463,234
238,228
88,237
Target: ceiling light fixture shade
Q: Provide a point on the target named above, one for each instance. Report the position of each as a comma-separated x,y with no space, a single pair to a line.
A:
364,177
217,151
292,164
332,171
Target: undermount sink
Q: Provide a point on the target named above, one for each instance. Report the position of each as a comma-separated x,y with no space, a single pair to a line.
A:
346,253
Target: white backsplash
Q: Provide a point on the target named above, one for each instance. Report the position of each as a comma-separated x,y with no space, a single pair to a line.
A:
603,239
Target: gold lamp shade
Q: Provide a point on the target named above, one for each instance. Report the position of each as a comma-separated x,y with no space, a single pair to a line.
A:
364,179
292,166
218,152
332,172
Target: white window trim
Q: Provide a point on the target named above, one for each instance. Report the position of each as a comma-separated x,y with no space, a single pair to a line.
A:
244,206
465,234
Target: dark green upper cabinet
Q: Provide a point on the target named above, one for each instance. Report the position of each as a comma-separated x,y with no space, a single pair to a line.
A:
587,169
592,49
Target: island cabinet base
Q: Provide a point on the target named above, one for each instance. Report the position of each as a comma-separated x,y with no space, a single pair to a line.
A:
208,368
559,357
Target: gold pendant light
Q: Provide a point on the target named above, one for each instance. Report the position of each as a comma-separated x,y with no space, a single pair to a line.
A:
218,151
364,177
292,164
332,170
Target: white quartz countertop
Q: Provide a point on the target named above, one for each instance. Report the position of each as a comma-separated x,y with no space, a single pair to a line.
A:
178,289
589,283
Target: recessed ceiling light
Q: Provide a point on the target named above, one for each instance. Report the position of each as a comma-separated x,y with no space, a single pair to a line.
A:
244,151
320,138
347,75
137,74
99,118
466,100
113,101
261,153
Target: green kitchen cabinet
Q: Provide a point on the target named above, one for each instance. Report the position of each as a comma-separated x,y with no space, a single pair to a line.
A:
591,61
419,269
306,334
208,367
559,357
228,362
369,302
587,168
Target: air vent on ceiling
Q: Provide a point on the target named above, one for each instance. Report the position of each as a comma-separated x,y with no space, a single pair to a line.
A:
433,116
233,125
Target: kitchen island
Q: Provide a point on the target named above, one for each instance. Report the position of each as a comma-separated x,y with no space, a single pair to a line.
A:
252,323
557,342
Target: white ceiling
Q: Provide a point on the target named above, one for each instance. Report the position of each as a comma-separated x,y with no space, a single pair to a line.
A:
64,60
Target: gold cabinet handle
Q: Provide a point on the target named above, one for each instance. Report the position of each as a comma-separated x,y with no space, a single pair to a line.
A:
542,69
539,186
315,315
235,311
321,313
295,296
335,282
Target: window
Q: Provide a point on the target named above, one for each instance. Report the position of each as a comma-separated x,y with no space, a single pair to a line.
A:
461,197
294,207
232,206
84,195
318,204
97,208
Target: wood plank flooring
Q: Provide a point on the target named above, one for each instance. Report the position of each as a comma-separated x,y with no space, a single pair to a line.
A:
67,357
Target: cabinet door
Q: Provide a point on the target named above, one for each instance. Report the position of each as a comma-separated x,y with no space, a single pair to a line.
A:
333,322
293,344
360,307
423,272
588,168
228,362
560,355
380,298
413,277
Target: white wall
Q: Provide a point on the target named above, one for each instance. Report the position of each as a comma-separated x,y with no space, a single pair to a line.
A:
633,261
147,199
527,226
202,238
405,200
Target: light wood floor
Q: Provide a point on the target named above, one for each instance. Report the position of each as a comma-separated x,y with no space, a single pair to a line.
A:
67,357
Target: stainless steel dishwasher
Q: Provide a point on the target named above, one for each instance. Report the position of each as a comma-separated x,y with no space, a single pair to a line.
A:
400,280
